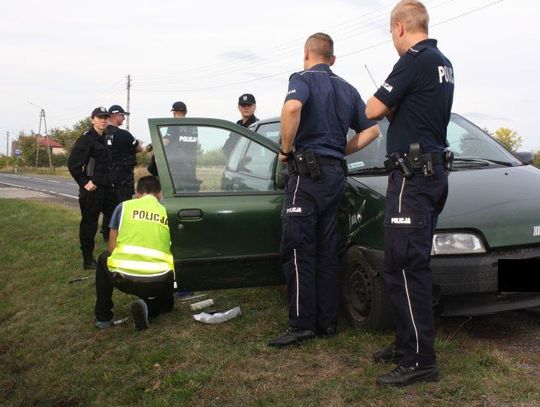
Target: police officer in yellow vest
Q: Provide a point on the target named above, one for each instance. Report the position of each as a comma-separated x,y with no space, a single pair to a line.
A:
139,259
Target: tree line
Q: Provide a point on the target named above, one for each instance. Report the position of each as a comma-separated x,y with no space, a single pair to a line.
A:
67,136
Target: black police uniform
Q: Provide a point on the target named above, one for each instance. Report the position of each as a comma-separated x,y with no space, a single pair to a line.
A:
252,119
233,137
421,88
103,198
310,241
181,151
123,148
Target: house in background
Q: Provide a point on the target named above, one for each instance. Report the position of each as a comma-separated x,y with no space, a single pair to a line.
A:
55,146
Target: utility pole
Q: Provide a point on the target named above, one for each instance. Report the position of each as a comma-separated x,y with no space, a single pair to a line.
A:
42,119
127,104
7,144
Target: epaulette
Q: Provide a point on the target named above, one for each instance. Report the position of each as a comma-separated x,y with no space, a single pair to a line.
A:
296,73
86,132
414,51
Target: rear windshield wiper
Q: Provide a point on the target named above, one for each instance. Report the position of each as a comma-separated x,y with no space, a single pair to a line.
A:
367,170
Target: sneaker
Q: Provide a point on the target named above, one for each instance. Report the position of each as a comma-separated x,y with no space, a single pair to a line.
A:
389,354
404,376
139,309
292,336
110,323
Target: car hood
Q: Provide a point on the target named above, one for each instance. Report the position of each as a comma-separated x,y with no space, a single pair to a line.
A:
502,203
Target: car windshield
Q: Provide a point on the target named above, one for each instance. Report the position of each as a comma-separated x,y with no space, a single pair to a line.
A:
472,147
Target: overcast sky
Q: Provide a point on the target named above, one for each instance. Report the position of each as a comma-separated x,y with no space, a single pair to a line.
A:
69,56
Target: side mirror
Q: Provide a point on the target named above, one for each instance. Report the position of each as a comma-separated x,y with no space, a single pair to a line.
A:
526,157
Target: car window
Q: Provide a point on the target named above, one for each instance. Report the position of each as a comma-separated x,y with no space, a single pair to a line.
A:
373,155
465,140
204,159
468,141
269,130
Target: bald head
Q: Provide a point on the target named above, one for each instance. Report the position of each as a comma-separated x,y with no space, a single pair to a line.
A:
320,46
412,14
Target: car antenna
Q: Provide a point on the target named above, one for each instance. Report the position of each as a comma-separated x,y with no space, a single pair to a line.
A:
371,76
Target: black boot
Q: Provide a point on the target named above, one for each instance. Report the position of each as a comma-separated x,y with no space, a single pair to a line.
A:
403,376
89,263
292,336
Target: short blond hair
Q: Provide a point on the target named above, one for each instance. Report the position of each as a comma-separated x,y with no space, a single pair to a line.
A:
320,44
412,14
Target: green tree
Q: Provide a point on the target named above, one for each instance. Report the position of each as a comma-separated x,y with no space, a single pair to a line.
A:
212,157
536,159
508,138
67,136
27,145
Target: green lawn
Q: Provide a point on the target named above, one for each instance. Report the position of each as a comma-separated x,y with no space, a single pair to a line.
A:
51,354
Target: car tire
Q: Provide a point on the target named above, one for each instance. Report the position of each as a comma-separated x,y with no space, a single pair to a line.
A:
365,302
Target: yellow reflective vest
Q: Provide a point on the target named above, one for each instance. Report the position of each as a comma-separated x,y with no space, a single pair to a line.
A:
144,241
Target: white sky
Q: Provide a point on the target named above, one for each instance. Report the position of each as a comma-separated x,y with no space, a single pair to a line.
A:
71,56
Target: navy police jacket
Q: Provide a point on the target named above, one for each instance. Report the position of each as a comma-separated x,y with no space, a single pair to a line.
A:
421,88
330,106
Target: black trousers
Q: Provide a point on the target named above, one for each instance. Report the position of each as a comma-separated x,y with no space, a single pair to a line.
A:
92,204
412,209
309,248
158,295
124,192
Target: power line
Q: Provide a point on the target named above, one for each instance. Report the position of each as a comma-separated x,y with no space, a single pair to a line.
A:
339,56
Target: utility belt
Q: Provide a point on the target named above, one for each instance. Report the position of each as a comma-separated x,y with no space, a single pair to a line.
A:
417,163
307,163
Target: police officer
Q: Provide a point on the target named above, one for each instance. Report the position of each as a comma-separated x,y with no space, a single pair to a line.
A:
124,148
139,259
246,106
319,109
181,143
417,99
181,147
88,164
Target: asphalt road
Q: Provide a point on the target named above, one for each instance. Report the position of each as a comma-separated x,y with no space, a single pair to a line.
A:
49,184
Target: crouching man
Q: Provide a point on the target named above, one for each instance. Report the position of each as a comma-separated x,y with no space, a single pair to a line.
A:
138,260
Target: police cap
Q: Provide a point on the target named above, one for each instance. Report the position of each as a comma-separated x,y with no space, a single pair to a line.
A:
100,112
246,99
117,109
179,107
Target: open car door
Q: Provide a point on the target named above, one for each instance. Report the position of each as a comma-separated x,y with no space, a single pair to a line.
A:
222,202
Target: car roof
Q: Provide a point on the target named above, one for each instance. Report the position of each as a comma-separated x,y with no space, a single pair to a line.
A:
264,121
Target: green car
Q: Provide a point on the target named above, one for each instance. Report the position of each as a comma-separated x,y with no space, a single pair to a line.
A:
223,190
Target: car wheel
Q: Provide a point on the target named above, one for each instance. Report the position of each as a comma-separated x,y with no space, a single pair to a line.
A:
365,301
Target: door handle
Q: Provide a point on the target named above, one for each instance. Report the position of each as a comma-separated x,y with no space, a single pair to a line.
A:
190,214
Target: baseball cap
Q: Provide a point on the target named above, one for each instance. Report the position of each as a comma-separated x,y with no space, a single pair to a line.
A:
117,109
179,107
100,112
246,99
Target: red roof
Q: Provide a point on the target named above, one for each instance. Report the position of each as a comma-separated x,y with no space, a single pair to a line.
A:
49,142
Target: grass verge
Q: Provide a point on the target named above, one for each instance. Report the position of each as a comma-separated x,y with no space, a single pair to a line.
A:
51,354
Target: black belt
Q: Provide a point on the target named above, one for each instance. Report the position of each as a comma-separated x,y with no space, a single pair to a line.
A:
398,161
436,158
325,160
